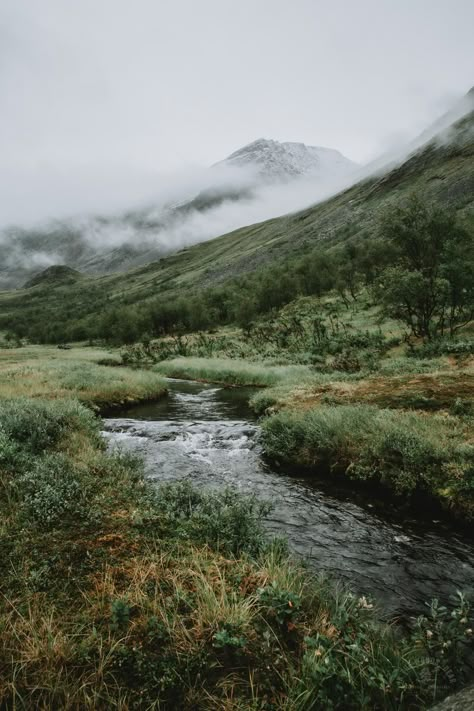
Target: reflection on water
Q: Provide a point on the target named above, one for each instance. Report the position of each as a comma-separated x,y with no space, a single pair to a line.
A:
208,434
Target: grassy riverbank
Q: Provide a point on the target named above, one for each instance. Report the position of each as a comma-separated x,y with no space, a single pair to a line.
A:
410,454
406,428
52,373
227,371
120,595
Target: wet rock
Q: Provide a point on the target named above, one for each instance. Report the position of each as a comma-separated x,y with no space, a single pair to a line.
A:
462,701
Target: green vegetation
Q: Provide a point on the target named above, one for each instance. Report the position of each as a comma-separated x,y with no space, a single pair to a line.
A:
406,452
426,285
429,285
400,422
58,274
248,272
230,372
118,594
56,374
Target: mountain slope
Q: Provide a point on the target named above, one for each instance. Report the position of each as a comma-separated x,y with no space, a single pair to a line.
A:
99,245
442,171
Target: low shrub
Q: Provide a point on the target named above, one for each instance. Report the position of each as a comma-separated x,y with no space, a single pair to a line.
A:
55,469
39,425
363,666
443,346
262,401
222,519
282,605
53,492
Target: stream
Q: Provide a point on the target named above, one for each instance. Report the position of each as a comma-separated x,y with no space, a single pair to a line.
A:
208,434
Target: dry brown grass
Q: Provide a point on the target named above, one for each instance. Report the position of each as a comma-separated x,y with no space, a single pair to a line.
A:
42,643
434,391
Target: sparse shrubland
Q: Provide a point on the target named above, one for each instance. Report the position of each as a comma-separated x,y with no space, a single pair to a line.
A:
316,332
118,594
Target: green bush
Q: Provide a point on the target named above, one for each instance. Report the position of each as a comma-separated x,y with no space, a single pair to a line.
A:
10,452
119,615
39,425
224,520
443,346
364,666
228,637
52,492
262,401
281,605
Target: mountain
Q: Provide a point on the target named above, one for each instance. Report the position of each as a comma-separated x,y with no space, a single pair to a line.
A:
439,171
279,161
250,177
438,131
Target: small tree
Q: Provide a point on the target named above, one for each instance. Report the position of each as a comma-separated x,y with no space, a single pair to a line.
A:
430,286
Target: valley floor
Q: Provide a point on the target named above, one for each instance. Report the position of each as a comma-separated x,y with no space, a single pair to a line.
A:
119,594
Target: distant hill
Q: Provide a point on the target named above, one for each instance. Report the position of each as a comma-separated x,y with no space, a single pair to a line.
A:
54,275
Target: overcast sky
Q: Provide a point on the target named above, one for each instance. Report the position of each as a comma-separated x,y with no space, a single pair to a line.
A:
101,96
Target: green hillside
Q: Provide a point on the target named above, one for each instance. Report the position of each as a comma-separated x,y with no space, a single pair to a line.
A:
442,172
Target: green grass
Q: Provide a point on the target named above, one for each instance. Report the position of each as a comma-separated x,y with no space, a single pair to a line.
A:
406,452
231,372
117,594
51,373
32,353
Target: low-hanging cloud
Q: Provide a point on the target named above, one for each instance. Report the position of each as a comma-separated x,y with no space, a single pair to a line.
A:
171,212
103,102
184,210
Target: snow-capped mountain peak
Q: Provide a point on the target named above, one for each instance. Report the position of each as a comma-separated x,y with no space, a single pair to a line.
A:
274,160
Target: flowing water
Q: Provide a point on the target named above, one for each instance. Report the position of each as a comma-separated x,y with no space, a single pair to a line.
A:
208,435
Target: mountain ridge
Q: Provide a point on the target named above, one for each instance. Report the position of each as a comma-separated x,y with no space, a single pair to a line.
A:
441,169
